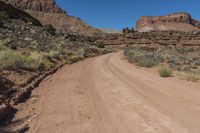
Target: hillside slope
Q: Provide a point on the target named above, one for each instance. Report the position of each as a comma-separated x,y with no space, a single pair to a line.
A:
12,12
48,12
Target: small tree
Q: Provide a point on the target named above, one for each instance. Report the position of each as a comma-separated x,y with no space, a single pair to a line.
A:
125,30
50,29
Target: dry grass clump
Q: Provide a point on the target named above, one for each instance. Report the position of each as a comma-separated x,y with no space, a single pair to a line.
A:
10,60
188,76
14,60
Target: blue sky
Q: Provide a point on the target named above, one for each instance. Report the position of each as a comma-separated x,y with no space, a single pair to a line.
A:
117,14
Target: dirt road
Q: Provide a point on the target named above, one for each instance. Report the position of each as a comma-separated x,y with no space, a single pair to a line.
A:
107,94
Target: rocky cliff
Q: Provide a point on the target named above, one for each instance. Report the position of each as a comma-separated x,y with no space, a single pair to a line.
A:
177,21
37,5
48,12
16,13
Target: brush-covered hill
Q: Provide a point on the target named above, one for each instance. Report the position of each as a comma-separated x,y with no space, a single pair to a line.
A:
48,12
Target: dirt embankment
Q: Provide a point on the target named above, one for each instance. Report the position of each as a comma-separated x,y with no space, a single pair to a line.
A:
108,94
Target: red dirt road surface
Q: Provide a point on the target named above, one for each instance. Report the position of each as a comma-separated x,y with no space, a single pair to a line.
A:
106,94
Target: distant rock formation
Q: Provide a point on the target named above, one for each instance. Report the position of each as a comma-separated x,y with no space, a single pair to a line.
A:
48,12
177,21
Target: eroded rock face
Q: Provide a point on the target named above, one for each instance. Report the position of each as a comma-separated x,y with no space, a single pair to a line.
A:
48,12
177,21
37,5
16,13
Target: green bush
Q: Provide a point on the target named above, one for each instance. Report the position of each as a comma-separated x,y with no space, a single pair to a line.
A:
50,29
72,59
33,61
54,54
70,56
46,64
164,72
142,58
133,55
147,62
30,64
100,45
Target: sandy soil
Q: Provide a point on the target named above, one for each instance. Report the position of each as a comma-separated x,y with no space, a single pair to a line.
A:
107,94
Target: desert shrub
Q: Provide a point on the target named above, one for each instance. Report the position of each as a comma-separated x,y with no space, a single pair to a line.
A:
126,50
129,52
46,64
11,60
54,54
40,61
192,77
72,37
142,58
92,51
146,62
33,61
165,72
28,20
2,46
188,76
51,54
134,56
72,58
3,15
50,29
30,64
100,45
14,60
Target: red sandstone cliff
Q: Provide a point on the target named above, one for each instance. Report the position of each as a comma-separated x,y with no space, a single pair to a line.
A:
36,5
176,21
48,12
